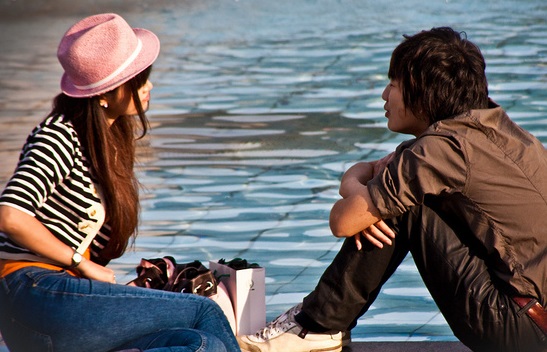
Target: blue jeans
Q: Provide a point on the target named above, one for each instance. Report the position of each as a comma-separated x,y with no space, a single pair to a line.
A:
45,310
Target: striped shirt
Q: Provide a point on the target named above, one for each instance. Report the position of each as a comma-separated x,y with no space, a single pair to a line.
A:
52,182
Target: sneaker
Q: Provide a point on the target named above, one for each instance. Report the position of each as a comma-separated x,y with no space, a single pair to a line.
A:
284,334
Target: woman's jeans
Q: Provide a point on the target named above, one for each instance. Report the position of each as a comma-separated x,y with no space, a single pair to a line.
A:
479,309
45,310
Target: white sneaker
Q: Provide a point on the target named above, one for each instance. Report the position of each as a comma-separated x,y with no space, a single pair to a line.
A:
284,334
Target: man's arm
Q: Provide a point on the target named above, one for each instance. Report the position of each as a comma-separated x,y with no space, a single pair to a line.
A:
360,173
355,214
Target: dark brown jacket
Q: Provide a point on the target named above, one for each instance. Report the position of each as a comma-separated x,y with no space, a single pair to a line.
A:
487,173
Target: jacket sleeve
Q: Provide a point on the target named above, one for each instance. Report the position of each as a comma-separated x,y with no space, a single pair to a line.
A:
432,165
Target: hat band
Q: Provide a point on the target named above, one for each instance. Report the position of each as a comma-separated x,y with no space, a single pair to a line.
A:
127,62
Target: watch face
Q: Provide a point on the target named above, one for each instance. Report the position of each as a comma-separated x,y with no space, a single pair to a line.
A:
76,258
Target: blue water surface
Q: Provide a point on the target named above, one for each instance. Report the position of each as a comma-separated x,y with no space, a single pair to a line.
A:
258,108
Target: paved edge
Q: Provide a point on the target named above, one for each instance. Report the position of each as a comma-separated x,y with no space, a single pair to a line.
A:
381,347
448,346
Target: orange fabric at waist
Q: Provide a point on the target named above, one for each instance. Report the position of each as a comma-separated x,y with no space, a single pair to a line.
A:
8,266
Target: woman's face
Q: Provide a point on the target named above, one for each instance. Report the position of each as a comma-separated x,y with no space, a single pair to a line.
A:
122,104
401,119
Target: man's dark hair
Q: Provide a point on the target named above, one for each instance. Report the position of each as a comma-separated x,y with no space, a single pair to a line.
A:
441,74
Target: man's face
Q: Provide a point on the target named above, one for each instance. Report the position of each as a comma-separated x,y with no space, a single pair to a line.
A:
401,119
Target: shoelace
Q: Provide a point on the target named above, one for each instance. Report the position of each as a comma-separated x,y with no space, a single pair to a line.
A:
282,323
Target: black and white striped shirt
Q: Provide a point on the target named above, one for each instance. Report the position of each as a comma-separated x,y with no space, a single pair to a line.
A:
52,183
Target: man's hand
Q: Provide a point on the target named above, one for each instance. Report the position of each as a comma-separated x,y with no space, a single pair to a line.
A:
378,234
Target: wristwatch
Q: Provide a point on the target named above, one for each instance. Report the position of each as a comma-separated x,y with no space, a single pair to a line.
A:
76,260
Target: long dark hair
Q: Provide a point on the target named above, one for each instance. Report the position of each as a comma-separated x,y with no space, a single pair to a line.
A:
441,73
110,150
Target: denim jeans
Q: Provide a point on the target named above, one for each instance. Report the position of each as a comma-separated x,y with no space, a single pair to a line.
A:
453,265
45,310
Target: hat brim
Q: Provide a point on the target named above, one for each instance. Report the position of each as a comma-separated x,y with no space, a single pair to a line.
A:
148,54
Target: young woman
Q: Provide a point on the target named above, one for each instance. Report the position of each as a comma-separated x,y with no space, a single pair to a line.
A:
72,206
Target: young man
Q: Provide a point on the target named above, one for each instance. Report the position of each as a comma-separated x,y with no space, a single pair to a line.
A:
467,197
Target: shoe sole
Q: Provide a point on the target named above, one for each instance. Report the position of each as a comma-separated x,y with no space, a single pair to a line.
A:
329,349
250,348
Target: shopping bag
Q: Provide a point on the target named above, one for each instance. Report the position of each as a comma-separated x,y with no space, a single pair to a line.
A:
222,297
247,290
165,274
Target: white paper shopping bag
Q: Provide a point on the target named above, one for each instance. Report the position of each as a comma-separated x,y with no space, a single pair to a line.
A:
247,289
222,297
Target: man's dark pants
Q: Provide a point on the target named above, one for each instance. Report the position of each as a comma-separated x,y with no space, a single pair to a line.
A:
479,310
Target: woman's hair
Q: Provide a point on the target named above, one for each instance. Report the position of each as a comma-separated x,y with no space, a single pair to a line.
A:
110,150
441,74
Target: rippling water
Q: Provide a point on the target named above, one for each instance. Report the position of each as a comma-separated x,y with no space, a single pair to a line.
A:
258,108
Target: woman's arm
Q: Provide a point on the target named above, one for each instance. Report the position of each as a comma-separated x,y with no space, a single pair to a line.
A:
28,232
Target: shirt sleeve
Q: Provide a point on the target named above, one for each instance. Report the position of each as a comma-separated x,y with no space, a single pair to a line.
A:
46,160
433,165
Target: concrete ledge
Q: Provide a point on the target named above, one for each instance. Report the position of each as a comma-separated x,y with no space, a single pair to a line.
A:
444,346
448,346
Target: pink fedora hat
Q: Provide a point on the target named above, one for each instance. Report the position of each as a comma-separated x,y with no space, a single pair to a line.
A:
101,52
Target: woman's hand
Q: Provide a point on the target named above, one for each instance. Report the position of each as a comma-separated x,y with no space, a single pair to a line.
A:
94,271
378,234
